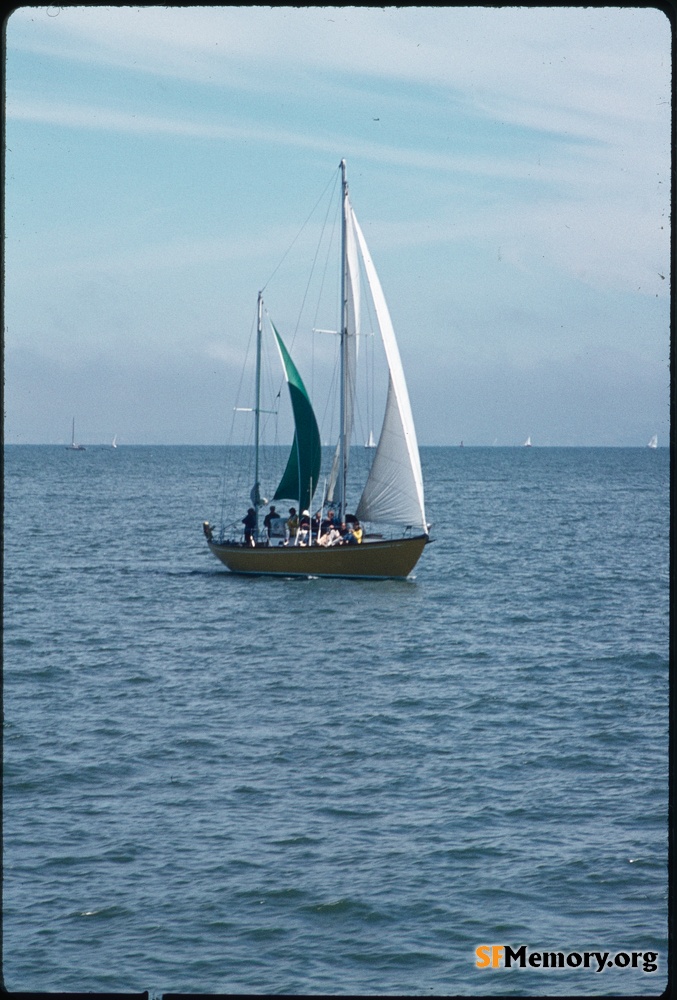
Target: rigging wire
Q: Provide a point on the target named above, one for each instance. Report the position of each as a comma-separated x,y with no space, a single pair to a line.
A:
330,202
330,247
312,270
228,455
326,262
312,212
330,401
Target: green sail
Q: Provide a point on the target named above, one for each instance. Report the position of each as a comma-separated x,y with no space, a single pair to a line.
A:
303,466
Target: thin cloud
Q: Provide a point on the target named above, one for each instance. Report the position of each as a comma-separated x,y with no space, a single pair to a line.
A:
586,244
569,69
76,116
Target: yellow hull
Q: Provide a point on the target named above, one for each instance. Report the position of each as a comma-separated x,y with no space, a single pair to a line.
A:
374,560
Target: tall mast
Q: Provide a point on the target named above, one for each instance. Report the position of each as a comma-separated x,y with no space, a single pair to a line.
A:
343,443
257,412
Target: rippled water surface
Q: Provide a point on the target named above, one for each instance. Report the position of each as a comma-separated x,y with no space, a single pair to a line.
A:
226,784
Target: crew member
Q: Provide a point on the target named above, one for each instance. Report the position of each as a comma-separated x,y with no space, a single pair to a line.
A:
303,537
270,516
249,521
349,537
292,526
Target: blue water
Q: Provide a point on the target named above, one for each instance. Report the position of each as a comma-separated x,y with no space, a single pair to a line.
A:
242,785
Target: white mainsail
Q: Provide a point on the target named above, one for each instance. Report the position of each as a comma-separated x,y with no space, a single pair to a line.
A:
334,488
394,489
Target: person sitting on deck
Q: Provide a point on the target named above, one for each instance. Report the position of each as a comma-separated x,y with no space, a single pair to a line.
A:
357,532
332,537
328,522
207,528
349,537
249,521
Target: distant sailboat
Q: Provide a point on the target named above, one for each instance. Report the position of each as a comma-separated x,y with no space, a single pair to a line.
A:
527,443
653,443
73,446
370,443
115,442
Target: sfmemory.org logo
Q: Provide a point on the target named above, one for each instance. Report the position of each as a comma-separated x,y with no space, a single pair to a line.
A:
502,956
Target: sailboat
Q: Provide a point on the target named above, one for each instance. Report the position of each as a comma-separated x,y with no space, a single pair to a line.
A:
371,441
653,443
73,446
115,442
390,513
527,443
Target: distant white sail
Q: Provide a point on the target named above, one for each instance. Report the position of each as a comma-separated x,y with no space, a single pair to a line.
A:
653,443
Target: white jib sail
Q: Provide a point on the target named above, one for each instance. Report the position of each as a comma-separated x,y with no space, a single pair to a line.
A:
394,490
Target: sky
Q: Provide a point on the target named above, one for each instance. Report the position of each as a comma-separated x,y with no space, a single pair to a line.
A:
510,168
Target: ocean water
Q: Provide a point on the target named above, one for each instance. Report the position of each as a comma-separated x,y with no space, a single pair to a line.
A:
249,785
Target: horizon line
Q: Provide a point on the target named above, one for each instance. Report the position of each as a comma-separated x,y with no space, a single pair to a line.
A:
463,446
